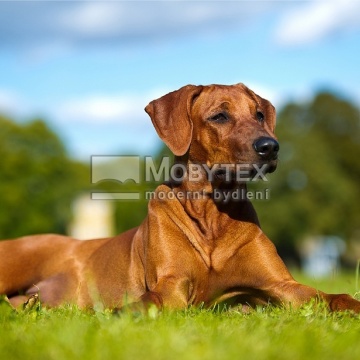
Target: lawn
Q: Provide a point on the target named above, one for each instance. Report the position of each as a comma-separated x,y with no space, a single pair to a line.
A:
266,333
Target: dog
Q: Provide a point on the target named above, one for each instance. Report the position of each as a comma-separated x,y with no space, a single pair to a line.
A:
188,251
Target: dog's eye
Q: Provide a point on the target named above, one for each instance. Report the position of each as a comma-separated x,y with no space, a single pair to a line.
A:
219,118
260,116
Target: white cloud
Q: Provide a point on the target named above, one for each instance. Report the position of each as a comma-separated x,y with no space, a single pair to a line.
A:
144,20
69,23
102,109
107,109
315,20
94,18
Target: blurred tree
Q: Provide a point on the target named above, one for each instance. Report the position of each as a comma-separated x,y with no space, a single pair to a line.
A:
37,180
315,189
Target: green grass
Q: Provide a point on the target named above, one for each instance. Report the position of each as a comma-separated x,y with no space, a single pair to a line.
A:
266,333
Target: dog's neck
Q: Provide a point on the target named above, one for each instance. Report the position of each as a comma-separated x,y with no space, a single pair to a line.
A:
200,178
202,196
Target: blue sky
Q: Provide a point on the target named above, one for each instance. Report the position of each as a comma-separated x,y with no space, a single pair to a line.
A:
90,68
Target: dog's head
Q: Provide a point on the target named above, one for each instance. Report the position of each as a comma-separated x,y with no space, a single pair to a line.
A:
216,125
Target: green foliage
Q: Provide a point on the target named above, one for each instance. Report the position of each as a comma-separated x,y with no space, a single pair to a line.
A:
310,332
37,179
315,188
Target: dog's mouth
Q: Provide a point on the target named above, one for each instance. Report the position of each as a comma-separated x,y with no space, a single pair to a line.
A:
271,166
241,173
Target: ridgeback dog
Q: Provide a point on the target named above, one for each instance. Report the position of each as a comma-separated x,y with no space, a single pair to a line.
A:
189,250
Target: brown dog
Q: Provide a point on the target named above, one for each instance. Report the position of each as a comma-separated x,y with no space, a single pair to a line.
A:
190,249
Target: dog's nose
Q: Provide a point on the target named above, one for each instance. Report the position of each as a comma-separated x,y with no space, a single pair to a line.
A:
266,147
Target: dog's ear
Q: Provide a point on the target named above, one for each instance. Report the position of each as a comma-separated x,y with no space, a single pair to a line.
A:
171,117
268,108
270,113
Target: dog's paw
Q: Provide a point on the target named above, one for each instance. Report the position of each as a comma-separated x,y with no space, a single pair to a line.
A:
343,302
32,303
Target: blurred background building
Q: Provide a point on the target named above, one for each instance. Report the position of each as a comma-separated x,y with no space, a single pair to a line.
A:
92,219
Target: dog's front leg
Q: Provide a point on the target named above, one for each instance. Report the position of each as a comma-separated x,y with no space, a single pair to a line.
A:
271,281
169,292
296,294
